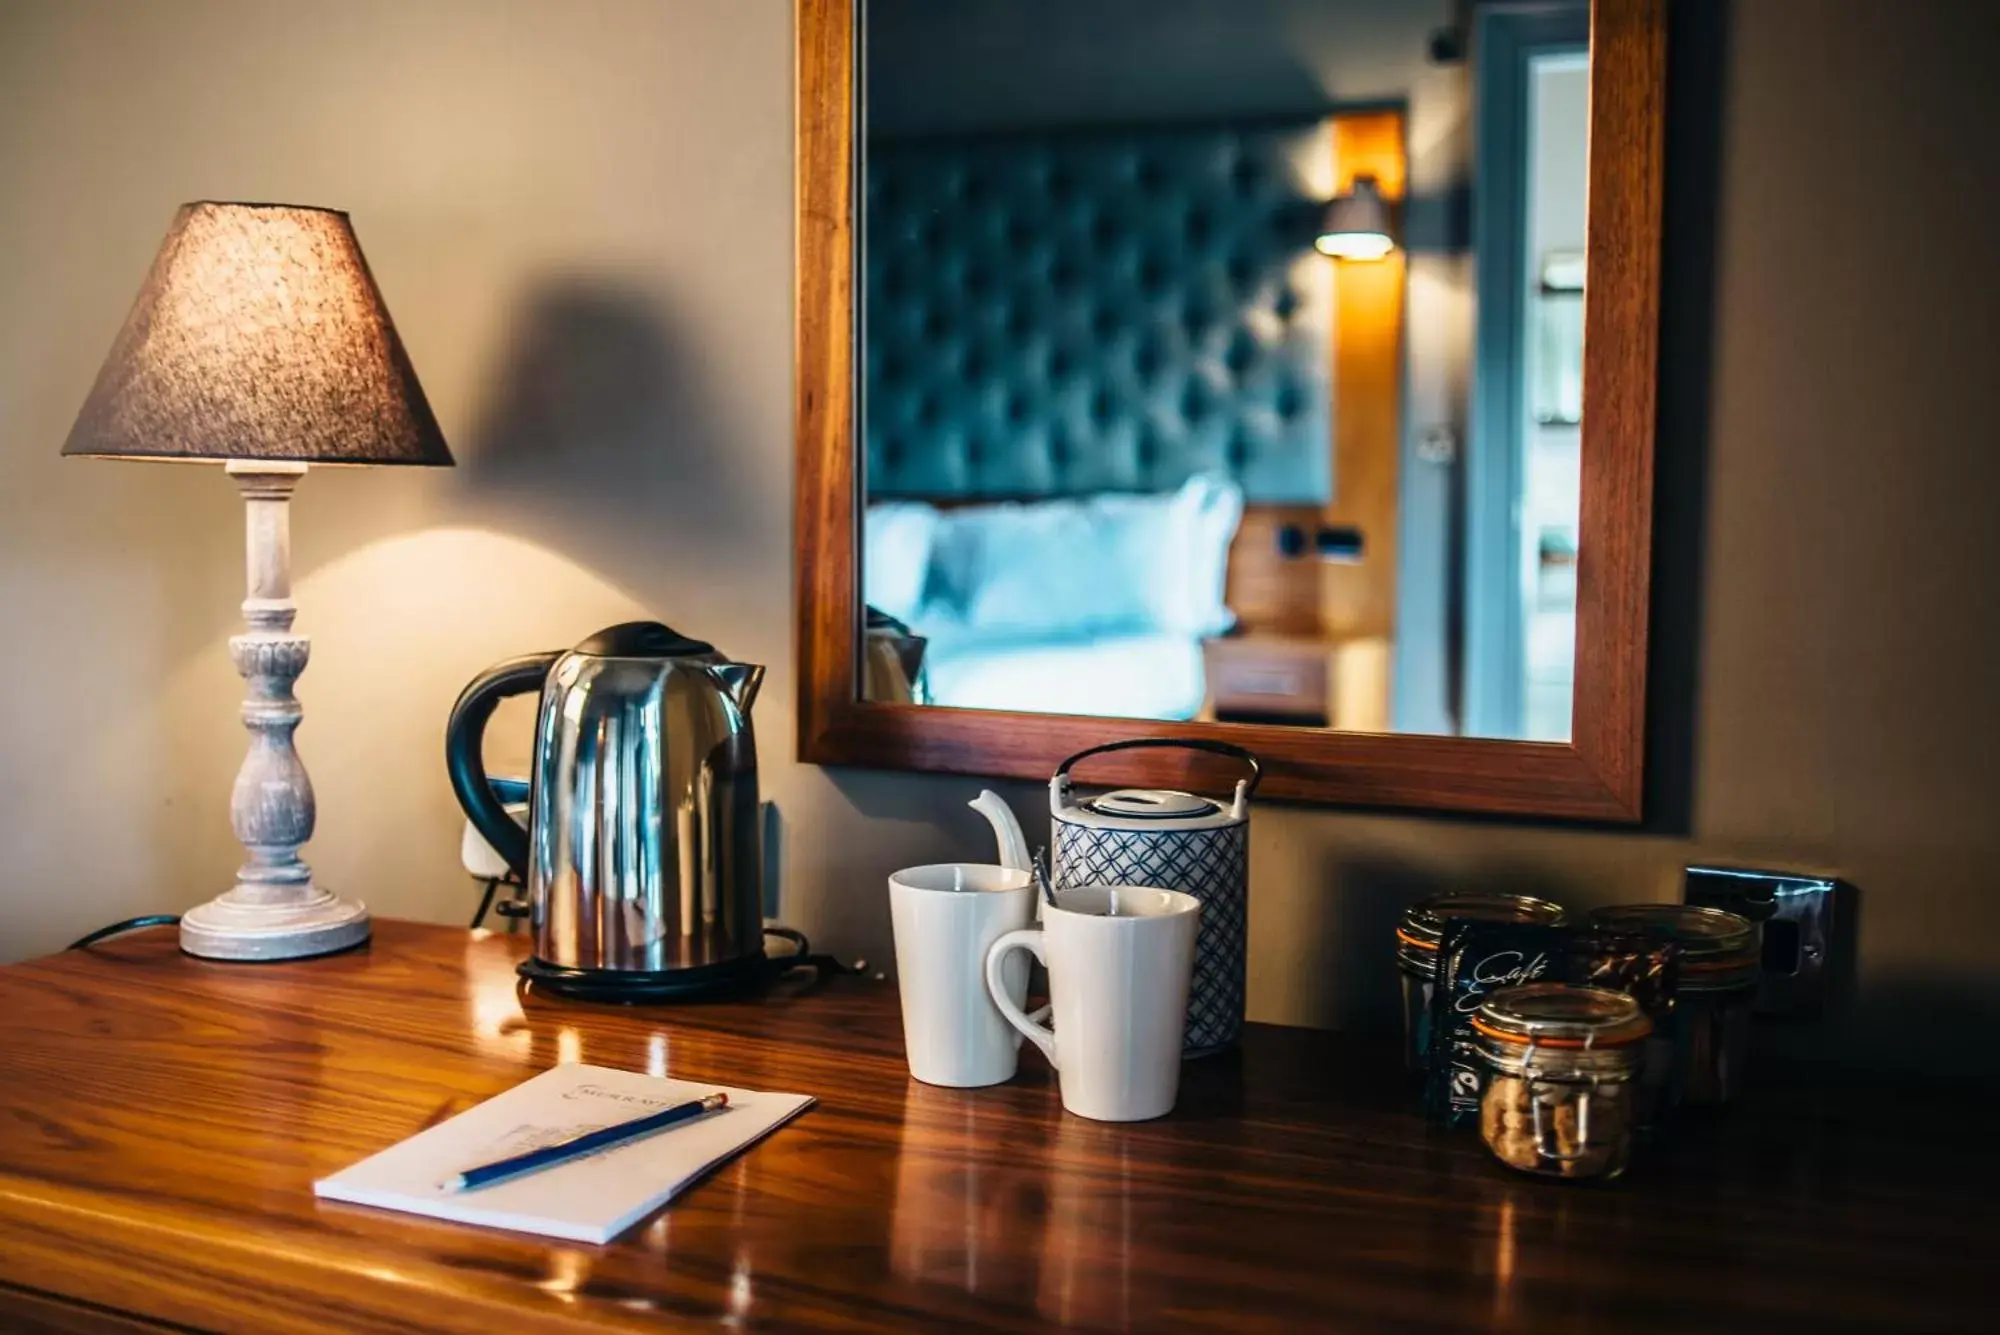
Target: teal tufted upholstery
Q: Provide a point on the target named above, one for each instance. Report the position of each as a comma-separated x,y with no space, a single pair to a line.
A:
1054,314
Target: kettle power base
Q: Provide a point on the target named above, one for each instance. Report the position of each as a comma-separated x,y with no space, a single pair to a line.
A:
635,987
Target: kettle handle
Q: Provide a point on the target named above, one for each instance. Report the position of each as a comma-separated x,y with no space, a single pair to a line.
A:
465,752
1229,749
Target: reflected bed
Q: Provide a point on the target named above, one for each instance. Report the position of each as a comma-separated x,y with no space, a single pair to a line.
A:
1081,605
1156,676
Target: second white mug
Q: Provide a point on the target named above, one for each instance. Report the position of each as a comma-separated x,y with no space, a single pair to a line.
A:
1119,961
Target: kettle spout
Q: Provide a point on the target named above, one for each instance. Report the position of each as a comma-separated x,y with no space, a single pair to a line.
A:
1007,830
739,681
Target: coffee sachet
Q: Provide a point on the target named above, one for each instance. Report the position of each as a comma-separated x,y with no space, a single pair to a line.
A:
1477,959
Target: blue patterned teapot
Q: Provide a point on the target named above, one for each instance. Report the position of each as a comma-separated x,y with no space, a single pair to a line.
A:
1174,841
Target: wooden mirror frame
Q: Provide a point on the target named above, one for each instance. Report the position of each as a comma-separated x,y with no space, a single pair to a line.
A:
1596,776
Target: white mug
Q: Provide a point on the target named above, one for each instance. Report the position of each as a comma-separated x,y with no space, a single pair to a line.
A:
1119,961
945,918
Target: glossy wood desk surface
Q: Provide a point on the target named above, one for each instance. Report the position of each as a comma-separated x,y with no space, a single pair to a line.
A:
162,1120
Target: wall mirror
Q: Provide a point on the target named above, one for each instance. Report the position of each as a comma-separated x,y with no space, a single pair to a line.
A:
1277,371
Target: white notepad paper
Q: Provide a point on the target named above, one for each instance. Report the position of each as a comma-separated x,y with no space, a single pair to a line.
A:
592,1199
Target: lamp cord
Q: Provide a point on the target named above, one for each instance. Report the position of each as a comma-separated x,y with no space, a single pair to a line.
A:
825,964
129,925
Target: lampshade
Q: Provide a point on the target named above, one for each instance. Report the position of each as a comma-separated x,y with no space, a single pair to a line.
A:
259,334
1357,225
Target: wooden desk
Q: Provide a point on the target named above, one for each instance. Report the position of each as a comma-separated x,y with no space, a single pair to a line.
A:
162,1118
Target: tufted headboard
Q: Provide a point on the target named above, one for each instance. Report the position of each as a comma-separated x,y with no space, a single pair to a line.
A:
1058,313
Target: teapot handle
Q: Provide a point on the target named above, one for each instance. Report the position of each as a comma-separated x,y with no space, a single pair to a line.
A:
465,753
1229,749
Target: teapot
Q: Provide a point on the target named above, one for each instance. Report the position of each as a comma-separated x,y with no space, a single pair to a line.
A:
1170,840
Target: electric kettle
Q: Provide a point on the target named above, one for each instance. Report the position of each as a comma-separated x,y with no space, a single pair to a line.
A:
892,662
642,853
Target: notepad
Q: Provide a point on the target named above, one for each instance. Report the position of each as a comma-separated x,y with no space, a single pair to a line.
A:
592,1199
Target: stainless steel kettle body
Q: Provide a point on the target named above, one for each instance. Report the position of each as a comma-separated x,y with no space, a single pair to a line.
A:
642,855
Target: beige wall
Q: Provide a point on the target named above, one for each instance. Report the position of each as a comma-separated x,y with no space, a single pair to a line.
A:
580,215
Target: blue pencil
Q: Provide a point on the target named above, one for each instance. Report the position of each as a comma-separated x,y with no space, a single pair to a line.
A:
485,1175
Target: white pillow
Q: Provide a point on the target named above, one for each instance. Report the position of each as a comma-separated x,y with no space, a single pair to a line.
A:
1177,551
896,540
1074,567
1048,568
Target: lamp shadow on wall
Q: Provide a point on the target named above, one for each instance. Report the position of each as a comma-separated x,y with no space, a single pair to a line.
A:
592,438
597,439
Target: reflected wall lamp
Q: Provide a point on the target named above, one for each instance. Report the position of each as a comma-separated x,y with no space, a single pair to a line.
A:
259,341
1358,225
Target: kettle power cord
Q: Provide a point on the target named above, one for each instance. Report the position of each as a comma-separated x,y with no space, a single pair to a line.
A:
824,964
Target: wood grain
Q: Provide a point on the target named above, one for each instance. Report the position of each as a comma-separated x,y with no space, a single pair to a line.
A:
1358,598
162,1119
1304,596
1597,776
1621,341
1267,590
27,1312
826,525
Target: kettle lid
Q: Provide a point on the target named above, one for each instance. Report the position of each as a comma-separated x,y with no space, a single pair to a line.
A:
642,639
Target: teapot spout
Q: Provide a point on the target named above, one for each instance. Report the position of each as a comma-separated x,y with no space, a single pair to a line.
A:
1006,829
739,681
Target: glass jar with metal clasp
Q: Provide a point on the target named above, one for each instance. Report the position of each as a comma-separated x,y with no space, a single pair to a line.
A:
1419,937
1720,957
1562,1064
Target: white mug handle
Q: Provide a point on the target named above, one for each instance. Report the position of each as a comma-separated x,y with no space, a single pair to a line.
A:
1028,939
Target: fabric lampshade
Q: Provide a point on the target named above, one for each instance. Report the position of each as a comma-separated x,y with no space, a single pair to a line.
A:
259,334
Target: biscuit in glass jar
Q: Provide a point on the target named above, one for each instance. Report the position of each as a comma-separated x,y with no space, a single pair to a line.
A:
1561,1063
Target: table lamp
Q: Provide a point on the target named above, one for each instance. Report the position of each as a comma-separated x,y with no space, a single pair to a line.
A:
260,341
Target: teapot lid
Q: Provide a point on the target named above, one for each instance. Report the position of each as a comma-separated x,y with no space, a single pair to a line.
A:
641,639
1152,804
1152,810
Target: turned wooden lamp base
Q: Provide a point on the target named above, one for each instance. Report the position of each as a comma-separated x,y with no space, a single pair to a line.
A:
274,911
316,924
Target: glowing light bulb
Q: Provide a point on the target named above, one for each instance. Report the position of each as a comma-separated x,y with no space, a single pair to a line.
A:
1355,245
